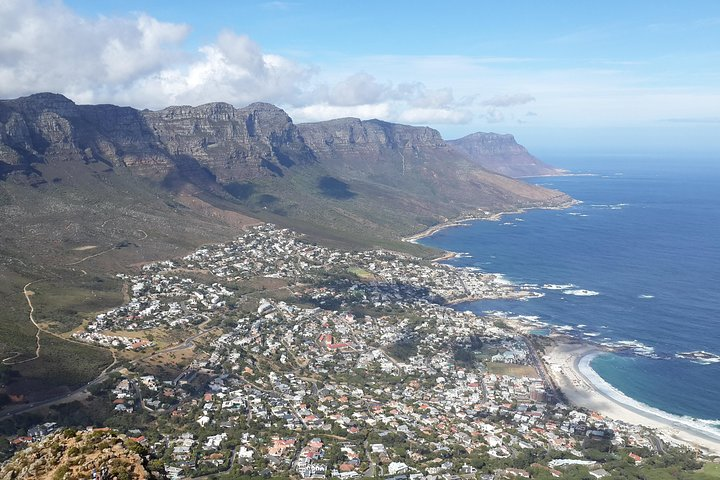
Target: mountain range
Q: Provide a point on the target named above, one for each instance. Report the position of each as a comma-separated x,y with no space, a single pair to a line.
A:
388,179
73,175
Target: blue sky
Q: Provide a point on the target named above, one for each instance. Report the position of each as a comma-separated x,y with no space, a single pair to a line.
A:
564,77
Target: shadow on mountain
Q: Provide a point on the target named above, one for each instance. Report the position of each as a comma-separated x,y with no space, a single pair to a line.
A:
241,191
334,188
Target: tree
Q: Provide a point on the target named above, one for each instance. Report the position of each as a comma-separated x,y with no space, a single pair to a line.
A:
6,449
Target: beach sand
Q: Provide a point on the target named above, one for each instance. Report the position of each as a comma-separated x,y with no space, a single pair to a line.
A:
568,362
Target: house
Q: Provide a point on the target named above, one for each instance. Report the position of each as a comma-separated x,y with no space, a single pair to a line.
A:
203,421
313,470
244,453
397,468
599,473
173,473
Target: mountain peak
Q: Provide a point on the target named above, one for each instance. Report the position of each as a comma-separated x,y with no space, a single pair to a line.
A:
47,97
45,102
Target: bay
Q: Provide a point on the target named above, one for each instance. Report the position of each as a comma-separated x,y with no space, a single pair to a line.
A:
637,262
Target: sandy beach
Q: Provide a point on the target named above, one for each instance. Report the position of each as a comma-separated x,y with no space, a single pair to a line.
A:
568,361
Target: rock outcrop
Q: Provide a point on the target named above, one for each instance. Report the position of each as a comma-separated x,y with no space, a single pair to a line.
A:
49,128
230,144
233,144
370,139
87,454
502,154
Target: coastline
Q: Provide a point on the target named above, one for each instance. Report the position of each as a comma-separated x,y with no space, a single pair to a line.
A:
483,215
462,222
568,362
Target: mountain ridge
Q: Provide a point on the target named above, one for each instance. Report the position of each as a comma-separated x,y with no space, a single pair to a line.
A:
254,160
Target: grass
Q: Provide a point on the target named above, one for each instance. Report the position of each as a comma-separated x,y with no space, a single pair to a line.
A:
166,366
361,273
63,304
511,370
62,364
361,220
711,470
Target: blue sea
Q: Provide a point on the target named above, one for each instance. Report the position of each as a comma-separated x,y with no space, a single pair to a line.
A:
637,262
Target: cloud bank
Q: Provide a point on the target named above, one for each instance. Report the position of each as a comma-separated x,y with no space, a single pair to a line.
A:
143,62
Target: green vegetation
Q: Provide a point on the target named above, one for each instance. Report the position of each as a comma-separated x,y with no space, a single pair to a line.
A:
708,471
64,303
402,350
349,214
64,363
511,369
61,362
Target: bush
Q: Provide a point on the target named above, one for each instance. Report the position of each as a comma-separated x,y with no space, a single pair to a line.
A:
61,472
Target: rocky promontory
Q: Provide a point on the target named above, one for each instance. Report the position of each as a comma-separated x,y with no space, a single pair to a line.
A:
501,153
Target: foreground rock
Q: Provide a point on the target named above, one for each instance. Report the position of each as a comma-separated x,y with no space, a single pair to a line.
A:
89,454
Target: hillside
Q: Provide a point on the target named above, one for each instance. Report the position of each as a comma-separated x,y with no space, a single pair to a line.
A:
386,180
501,153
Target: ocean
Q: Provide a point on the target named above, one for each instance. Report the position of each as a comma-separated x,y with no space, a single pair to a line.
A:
636,264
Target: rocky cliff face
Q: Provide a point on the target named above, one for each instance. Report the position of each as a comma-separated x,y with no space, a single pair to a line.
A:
233,144
49,128
373,144
501,153
416,160
352,136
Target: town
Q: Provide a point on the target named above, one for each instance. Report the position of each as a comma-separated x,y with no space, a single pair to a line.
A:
312,362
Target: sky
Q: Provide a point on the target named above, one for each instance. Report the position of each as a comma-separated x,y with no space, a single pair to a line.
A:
638,78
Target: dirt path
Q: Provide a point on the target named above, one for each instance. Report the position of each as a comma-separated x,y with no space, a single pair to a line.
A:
91,256
28,294
8,361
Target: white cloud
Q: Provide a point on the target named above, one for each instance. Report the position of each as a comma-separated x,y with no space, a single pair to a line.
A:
324,111
141,61
234,69
434,116
508,100
358,89
140,47
136,60
48,47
